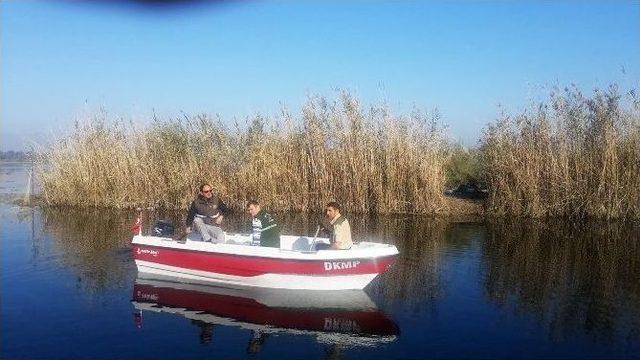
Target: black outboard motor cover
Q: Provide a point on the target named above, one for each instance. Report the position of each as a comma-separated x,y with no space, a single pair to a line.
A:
163,228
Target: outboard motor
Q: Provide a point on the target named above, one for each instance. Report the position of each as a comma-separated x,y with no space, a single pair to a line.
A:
163,228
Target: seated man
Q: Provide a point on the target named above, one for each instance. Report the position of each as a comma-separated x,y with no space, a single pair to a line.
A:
339,229
264,226
206,214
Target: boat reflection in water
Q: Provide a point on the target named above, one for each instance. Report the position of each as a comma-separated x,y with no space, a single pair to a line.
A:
344,317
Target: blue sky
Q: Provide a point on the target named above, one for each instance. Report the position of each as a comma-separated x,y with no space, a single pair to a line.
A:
62,60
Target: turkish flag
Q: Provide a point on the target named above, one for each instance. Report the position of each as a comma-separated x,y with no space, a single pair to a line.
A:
137,225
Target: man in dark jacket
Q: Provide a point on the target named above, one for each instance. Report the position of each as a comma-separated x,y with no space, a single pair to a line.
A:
206,214
264,226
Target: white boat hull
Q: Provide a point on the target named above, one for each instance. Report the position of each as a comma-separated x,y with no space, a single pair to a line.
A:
236,263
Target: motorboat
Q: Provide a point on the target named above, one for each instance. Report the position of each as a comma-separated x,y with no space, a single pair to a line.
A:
344,317
239,262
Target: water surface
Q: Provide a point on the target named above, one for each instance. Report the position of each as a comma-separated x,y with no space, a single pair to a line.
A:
459,289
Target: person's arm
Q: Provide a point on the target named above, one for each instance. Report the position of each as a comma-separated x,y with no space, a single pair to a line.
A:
336,236
190,216
326,227
223,209
268,222
342,236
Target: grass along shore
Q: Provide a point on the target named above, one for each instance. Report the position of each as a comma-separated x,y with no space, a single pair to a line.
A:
574,156
369,160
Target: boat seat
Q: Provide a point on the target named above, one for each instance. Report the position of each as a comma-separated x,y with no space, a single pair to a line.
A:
302,243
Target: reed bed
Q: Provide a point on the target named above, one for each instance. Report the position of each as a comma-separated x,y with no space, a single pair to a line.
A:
369,160
575,156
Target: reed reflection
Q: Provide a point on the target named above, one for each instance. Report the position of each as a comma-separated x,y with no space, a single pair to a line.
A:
574,279
94,242
415,279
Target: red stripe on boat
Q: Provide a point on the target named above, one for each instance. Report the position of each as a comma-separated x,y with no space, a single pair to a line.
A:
246,265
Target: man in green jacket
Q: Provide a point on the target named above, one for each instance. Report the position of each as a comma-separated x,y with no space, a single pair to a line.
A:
264,226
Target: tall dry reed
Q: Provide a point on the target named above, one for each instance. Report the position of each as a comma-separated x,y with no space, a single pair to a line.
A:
370,160
576,156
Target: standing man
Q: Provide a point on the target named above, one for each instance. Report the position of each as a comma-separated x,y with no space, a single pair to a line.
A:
206,214
340,231
264,226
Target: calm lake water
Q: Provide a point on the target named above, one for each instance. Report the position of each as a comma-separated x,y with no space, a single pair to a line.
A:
459,289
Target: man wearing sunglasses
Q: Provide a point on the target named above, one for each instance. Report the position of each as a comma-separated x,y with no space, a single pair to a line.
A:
206,214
